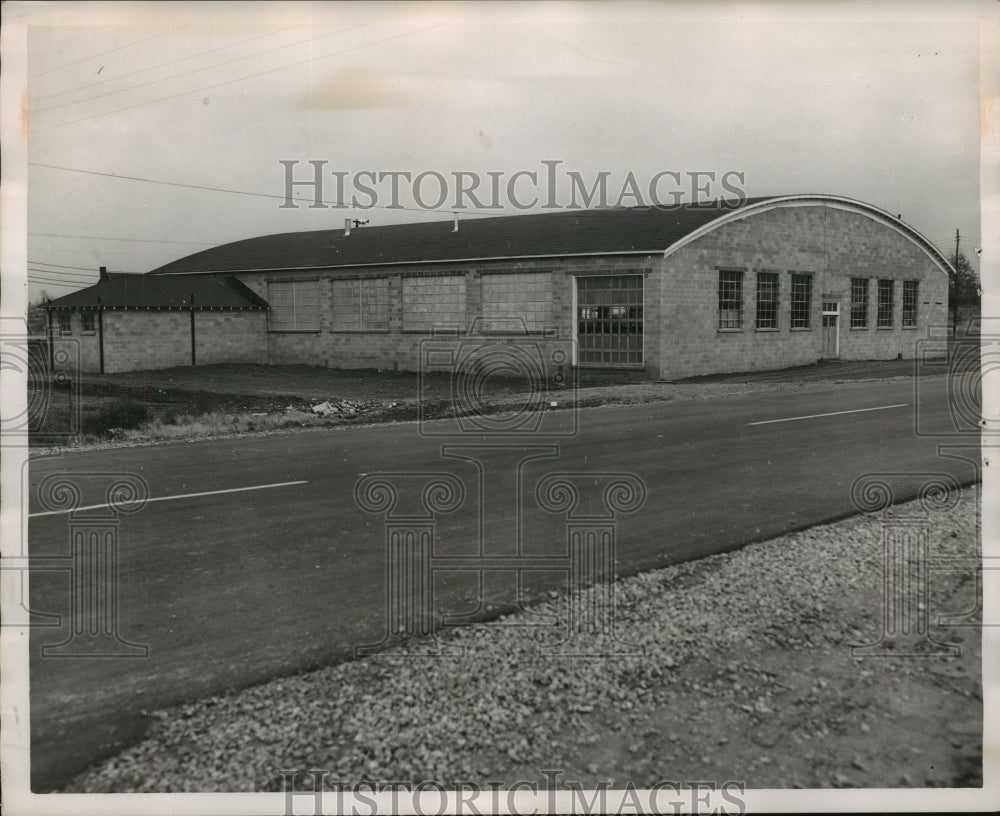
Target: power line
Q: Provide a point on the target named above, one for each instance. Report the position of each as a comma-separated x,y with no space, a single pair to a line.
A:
193,71
62,266
163,64
57,275
62,278
236,192
111,51
48,282
240,79
109,238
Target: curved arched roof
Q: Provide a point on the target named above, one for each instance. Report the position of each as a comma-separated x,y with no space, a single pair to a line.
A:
567,233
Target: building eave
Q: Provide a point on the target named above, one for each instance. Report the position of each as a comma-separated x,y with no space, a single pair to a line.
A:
382,264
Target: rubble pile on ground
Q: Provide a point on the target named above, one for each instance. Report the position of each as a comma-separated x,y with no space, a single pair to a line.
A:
346,407
733,667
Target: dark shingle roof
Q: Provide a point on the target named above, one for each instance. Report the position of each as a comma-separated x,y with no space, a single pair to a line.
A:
575,232
121,291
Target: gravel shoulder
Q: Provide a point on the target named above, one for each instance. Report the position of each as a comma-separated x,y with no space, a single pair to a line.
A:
746,673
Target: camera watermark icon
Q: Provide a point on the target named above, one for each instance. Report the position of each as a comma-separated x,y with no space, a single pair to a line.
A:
93,504
966,366
51,412
907,563
534,372
591,503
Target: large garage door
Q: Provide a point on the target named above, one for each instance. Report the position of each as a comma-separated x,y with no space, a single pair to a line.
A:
609,320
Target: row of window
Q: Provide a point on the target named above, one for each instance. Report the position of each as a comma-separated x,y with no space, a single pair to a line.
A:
885,303
731,300
800,301
66,323
510,302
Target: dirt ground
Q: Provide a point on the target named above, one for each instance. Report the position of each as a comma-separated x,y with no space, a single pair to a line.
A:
216,400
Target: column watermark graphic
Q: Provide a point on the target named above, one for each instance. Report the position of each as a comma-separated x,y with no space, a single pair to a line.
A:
909,627
93,505
591,529
969,363
529,518
410,503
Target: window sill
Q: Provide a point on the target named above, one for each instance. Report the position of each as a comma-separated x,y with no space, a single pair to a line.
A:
293,331
636,366
859,328
766,330
909,328
801,328
358,331
884,328
529,333
729,331
89,333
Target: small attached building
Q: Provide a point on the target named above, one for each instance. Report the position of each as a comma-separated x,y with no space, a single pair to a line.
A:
129,322
678,292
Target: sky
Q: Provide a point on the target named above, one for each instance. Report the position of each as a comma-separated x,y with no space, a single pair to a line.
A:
873,101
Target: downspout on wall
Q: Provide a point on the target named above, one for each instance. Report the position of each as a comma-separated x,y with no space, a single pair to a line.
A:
100,331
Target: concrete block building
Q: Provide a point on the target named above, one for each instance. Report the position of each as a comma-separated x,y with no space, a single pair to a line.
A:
132,322
697,289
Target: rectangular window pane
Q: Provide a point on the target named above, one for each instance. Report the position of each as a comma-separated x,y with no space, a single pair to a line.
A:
89,322
65,323
375,305
910,303
360,305
436,301
294,305
859,303
517,302
767,300
730,299
306,305
609,320
885,302
801,301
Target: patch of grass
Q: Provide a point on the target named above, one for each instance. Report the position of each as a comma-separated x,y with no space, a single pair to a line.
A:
123,413
220,422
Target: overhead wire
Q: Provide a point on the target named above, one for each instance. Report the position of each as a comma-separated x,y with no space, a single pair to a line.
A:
237,79
161,65
188,73
51,282
110,51
60,266
109,238
243,192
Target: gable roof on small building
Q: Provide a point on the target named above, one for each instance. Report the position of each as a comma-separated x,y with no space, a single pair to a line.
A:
567,233
118,290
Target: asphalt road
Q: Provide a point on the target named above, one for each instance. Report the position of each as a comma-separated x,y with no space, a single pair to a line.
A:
232,588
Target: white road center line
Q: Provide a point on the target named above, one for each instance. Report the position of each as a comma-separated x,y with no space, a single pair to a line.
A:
170,498
832,413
